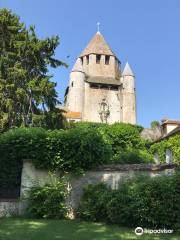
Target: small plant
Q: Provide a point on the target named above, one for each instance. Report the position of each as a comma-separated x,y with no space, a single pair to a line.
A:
48,201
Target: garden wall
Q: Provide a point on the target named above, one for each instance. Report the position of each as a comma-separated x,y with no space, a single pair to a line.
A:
112,175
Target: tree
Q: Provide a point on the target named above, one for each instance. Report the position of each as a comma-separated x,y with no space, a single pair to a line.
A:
26,89
155,124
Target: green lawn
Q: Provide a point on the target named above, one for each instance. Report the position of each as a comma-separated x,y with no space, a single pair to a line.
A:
27,229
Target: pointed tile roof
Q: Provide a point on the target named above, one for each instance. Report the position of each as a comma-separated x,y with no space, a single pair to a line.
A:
97,45
127,70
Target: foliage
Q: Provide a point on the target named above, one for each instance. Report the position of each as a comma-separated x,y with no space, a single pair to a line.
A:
77,149
155,124
25,86
48,201
171,143
93,203
72,150
123,138
133,156
88,125
52,119
16,145
143,201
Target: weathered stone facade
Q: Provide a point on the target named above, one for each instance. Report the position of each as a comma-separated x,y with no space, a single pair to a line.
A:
98,90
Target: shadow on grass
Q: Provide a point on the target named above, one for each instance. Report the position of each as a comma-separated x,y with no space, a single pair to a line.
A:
32,229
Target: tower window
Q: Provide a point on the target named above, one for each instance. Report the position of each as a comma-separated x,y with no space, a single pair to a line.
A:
94,85
115,88
98,59
107,58
82,60
87,60
72,84
104,87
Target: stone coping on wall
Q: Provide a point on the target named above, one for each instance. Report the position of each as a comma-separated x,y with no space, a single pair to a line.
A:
136,167
9,199
131,167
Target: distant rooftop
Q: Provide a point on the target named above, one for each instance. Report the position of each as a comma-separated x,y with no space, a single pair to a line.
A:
169,121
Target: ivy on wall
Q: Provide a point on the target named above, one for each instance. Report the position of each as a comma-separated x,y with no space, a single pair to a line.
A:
172,143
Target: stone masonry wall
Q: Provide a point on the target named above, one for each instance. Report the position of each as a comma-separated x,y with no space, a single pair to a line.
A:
112,175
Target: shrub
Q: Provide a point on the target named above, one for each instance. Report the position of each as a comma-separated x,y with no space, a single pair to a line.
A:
71,150
48,201
78,149
123,137
133,156
143,201
19,144
155,201
93,204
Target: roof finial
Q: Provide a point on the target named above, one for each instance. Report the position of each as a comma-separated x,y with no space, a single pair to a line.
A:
98,23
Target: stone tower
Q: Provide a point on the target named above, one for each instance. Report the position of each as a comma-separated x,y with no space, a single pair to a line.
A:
98,91
128,95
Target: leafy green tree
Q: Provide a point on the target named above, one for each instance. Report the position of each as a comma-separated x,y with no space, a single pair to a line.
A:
155,124
25,86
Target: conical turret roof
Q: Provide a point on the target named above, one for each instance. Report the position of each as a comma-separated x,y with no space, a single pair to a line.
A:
77,66
97,45
127,70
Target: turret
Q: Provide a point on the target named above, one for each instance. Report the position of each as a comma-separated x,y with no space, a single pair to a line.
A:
75,91
128,96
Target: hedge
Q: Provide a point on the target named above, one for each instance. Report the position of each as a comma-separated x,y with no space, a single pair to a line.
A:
143,201
73,150
80,148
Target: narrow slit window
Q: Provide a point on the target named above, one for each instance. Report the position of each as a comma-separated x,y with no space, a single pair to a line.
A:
98,59
106,87
87,60
82,60
95,86
115,88
107,58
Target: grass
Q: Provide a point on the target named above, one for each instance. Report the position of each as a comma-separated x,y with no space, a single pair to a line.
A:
32,229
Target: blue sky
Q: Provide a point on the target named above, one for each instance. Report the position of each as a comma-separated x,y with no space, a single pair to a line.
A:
144,33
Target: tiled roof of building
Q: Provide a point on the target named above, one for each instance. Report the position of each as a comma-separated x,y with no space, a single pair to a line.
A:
97,45
73,115
170,134
168,121
173,132
103,80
